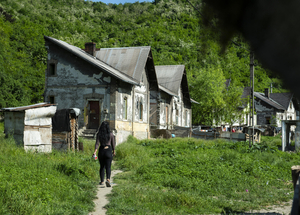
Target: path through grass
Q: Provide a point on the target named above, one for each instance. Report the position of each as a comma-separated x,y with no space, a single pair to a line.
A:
189,176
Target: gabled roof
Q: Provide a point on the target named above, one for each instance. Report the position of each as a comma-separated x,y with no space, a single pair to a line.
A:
283,99
94,61
171,77
269,101
129,60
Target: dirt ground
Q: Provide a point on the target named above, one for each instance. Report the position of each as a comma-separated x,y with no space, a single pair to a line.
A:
101,200
284,209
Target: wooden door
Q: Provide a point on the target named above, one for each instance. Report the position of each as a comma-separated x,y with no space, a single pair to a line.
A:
94,114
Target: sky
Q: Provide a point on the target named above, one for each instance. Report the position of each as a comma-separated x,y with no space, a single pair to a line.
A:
121,1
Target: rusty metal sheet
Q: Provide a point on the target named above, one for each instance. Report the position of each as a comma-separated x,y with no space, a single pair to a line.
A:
129,60
93,60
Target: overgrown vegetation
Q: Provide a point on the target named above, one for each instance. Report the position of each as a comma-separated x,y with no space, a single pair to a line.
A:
37,183
172,28
189,176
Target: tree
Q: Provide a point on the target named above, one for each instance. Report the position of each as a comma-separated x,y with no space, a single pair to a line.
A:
207,88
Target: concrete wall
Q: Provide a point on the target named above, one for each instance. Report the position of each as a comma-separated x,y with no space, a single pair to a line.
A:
76,83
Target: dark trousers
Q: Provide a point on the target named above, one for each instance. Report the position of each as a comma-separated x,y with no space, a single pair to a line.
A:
105,158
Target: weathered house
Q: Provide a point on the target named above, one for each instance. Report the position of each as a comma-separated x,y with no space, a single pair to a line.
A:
271,108
111,84
31,126
174,103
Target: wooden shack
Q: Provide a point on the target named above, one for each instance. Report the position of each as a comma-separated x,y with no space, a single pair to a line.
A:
65,129
31,126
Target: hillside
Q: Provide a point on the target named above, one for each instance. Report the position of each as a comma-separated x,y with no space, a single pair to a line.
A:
173,29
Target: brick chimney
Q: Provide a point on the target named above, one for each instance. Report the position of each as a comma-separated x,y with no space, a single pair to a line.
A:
90,48
267,93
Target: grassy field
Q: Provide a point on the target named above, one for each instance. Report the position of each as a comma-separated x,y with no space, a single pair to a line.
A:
189,176
55,183
175,176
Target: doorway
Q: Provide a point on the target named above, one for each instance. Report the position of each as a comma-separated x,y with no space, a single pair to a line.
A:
94,115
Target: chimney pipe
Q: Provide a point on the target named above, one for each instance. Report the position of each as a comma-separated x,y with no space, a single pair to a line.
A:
267,93
90,48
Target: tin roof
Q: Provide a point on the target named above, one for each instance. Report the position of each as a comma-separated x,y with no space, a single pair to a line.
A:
95,61
282,98
269,101
170,77
22,108
129,60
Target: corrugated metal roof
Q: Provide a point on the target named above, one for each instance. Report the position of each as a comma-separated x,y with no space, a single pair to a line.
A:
170,77
93,60
129,60
167,91
269,101
22,108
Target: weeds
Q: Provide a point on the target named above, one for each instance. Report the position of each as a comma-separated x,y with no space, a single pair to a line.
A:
37,183
189,176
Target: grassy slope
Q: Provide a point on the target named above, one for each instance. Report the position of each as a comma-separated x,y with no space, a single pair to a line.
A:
56,183
188,176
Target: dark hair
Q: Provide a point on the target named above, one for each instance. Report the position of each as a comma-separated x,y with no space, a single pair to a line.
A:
103,133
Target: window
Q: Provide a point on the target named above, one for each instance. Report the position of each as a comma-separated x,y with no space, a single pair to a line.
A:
291,105
268,120
141,109
52,67
51,99
177,112
167,115
125,108
186,118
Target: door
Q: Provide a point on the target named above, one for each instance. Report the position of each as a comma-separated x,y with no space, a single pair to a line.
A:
94,114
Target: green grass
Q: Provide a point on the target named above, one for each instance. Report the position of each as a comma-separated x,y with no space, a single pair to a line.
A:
189,176
54,183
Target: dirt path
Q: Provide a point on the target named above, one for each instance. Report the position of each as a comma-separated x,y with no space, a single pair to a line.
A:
284,209
101,200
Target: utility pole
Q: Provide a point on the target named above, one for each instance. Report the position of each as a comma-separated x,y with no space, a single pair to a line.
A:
251,102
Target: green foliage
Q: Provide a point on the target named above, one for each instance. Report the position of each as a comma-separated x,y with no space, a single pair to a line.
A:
170,27
37,183
189,176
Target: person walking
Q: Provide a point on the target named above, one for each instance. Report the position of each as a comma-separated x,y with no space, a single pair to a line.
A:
106,152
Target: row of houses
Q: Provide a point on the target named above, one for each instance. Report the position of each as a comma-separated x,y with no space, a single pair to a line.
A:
270,108
120,85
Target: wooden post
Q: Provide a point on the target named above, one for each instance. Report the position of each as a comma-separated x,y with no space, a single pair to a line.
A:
295,174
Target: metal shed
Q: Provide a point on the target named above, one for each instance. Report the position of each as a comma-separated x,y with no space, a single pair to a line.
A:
30,126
